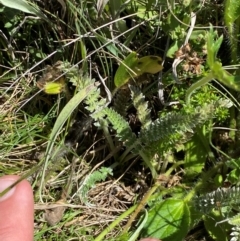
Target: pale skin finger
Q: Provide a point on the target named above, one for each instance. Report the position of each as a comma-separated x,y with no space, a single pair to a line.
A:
16,210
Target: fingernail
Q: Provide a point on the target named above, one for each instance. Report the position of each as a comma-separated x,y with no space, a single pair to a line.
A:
4,183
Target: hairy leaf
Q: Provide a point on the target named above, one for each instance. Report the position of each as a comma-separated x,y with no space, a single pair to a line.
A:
169,220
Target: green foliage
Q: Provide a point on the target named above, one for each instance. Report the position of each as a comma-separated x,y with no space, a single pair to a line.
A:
125,70
227,197
235,220
226,200
213,45
141,106
121,103
197,150
169,220
233,175
63,117
216,69
169,128
121,126
231,19
90,182
171,143
215,231
223,199
136,233
161,133
132,67
24,6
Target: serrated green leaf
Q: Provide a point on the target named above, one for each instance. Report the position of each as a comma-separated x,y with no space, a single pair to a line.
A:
169,220
235,220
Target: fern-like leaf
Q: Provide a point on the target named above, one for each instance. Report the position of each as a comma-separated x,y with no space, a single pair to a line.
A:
91,180
121,102
95,104
173,125
235,234
141,105
124,132
221,197
235,220
163,129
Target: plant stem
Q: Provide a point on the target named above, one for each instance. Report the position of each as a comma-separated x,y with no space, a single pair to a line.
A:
109,138
149,164
174,166
203,181
197,85
115,223
140,206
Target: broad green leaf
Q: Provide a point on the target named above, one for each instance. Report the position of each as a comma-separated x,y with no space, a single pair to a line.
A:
169,220
23,6
124,71
148,64
132,67
218,180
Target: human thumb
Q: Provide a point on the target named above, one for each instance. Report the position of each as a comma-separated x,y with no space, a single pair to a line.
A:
16,210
